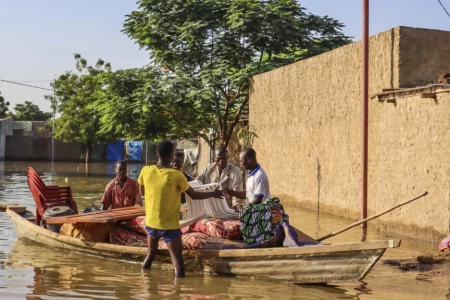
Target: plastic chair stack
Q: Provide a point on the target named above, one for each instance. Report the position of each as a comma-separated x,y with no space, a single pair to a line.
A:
46,196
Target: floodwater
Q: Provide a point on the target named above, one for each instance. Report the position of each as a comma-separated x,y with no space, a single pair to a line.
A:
33,271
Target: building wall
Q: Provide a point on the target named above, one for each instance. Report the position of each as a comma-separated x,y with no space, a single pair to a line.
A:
20,147
409,153
424,55
308,119
6,128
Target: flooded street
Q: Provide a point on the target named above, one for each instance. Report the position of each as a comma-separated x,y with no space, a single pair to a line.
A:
33,271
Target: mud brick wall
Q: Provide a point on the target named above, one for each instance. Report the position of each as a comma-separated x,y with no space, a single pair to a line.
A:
308,119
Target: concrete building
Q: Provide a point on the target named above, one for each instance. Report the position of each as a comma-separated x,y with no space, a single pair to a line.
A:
308,119
6,128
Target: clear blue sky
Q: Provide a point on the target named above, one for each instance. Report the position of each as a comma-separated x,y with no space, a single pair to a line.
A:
38,38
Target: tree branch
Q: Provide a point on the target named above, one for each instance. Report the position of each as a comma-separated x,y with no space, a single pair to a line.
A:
236,96
236,120
219,117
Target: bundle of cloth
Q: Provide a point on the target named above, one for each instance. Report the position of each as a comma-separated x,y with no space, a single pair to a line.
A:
267,225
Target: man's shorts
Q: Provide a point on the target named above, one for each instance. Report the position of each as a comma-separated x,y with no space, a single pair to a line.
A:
167,235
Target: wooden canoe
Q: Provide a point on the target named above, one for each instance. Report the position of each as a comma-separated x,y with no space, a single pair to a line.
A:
309,264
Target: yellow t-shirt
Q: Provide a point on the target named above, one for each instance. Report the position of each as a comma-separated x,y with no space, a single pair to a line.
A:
163,189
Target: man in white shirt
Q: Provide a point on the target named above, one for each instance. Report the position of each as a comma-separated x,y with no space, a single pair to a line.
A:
257,187
222,172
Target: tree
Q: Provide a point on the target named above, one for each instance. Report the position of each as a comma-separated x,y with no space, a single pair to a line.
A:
3,107
79,121
209,49
30,112
123,105
148,103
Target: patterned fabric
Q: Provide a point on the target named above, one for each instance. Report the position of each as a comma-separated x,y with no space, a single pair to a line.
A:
117,197
127,238
259,221
191,241
227,229
138,225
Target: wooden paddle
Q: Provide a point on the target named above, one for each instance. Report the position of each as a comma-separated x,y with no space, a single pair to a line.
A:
368,219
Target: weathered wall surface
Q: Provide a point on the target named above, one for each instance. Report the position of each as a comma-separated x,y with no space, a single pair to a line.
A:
409,153
424,55
308,119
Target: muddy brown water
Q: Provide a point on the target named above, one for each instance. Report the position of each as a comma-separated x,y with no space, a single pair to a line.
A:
33,271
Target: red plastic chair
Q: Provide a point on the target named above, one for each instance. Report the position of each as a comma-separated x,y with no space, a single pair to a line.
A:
46,196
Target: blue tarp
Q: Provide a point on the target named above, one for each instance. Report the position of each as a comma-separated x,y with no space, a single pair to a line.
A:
114,152
135,150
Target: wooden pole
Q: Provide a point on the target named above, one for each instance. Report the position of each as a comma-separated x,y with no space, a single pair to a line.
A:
368,219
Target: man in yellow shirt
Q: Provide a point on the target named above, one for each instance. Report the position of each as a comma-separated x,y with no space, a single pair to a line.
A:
162,187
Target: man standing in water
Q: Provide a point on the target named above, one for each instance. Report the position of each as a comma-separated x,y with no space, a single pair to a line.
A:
257,187
162,186
122,191
221,171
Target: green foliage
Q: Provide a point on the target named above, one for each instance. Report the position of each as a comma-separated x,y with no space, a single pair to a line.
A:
127,104
246,136
75,92
210,49
4,107
148,103
30,112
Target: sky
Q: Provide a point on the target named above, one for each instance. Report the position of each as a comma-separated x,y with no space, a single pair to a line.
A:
38,38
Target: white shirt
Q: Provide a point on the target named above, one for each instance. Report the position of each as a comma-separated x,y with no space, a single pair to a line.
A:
257,185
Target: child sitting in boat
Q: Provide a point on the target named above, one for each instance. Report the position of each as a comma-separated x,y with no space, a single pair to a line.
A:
162,187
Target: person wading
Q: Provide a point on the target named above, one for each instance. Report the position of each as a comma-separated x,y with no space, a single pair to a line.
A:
162,187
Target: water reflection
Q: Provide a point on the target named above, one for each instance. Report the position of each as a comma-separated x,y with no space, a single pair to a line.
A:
34,271
61,274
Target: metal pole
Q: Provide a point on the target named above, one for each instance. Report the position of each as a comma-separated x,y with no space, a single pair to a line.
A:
365,109
53,126
146,152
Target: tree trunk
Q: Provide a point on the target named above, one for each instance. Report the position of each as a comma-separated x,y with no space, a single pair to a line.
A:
88,151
